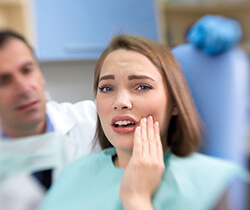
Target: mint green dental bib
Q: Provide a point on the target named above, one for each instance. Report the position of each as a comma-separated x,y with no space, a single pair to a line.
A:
92,182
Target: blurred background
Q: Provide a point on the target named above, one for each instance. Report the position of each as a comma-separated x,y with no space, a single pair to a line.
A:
68,36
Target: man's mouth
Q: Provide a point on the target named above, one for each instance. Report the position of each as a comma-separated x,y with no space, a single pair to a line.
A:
28,106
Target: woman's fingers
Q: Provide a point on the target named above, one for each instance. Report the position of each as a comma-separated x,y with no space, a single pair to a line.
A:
151,137
147,140
137,149
144,137
158,140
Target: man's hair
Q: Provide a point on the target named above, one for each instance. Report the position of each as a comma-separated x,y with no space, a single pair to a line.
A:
6,35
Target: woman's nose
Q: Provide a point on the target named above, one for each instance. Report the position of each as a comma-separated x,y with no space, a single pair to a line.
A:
122,102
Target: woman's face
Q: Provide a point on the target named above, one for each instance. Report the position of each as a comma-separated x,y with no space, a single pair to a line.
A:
130,88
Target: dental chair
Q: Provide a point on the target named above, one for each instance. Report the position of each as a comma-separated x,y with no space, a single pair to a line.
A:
220,89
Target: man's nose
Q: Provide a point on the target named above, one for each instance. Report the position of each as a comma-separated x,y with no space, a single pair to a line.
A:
22,84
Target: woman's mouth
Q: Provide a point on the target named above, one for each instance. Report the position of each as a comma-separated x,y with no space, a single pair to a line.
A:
123,124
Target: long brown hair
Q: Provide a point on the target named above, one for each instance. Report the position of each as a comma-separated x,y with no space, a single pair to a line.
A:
184,128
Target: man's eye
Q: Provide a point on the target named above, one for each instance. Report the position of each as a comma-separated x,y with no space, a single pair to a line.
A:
26,70
144,87
4,80
105,89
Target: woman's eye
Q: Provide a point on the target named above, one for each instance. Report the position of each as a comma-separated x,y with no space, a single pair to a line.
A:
105,89
144,87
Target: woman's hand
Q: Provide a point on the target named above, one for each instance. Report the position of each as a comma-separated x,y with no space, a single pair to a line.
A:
145,168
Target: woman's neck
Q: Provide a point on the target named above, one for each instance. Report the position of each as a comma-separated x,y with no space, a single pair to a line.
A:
122,158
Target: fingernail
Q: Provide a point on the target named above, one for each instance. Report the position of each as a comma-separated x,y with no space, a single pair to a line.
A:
157,124
150,118
144,120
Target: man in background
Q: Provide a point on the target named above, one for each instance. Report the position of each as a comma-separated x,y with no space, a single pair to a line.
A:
37,138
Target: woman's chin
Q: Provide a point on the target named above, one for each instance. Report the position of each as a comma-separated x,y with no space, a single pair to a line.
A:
125,147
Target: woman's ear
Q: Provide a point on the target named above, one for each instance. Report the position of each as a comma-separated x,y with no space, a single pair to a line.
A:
175,110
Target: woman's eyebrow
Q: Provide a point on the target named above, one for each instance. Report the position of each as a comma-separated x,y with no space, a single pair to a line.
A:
132,77
107,77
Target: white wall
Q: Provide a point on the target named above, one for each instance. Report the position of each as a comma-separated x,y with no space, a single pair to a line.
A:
69,81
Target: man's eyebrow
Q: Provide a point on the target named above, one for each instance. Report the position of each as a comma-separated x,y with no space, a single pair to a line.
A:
26,64
29,63
132,77
107,77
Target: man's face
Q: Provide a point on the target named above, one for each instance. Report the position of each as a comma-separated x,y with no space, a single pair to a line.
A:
22,97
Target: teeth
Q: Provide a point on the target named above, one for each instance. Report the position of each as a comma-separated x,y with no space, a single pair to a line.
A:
124,122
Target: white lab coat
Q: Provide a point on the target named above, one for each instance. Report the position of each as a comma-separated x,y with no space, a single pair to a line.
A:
77,123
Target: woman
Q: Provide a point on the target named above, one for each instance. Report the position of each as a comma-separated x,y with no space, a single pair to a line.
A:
144,110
